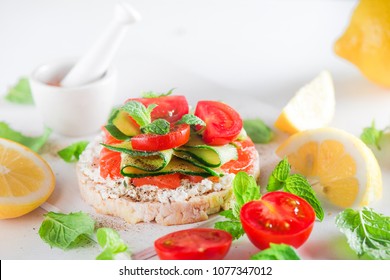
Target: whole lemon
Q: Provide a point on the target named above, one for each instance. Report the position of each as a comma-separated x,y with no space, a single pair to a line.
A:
366,42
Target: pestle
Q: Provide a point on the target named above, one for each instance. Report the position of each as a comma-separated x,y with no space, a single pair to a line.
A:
94,64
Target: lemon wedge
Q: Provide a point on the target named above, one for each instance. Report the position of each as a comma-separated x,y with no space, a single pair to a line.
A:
340,167
26,180
311,107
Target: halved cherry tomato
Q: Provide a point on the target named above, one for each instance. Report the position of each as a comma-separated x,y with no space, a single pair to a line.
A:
170,108
278,217
194,244
223,123
179,135
168,181
246,157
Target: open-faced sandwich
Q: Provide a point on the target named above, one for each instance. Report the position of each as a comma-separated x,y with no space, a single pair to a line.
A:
155,161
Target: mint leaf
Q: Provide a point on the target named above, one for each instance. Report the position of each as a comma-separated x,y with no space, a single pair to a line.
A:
72,152
279,175
159,126
66,231
277,252
191,120
20,93
152,94
139,112
372,136
111,243
366,231
258,131
233,227
298,185
34,143
245,188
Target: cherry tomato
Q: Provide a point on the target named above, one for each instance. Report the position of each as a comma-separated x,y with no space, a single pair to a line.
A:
169,181
179,135
223,123
194,244
246,157
278,217
170,108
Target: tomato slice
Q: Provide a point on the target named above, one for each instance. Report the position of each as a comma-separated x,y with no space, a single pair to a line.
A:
246,157
194,244
179,135
223,123
278,217
170,108
168,181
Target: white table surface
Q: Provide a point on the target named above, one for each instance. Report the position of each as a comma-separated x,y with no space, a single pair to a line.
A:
255,54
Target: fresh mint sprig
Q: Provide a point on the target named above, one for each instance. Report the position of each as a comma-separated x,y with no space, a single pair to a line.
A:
296,184
111,243
191,119
366,231
152,94
159,126
372,136
72,152
67,231
34,143
245,189
258,131
20,93
139,112
277,252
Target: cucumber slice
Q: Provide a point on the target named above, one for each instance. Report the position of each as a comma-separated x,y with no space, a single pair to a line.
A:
121,121
211,156
145,161
176,165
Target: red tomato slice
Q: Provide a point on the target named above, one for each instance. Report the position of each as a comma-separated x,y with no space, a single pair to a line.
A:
179,135
278,217
223,123
246,157
169,181
170,108
194,244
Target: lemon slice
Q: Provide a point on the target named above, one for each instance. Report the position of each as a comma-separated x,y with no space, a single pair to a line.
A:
340,167
312,106
26,180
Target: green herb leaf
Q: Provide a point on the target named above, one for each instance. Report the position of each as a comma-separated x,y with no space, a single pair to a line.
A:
152,94
372,136
298,185
191,120
228,214
233,227
20,93
66,231
72,152
159,126
111,243
245,188
277,252
258,131
366,231
34,143
139,112
279,175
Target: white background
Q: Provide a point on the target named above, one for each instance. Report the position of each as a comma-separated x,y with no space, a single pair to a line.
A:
253,52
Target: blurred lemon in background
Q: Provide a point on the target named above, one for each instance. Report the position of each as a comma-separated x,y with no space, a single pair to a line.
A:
366,41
